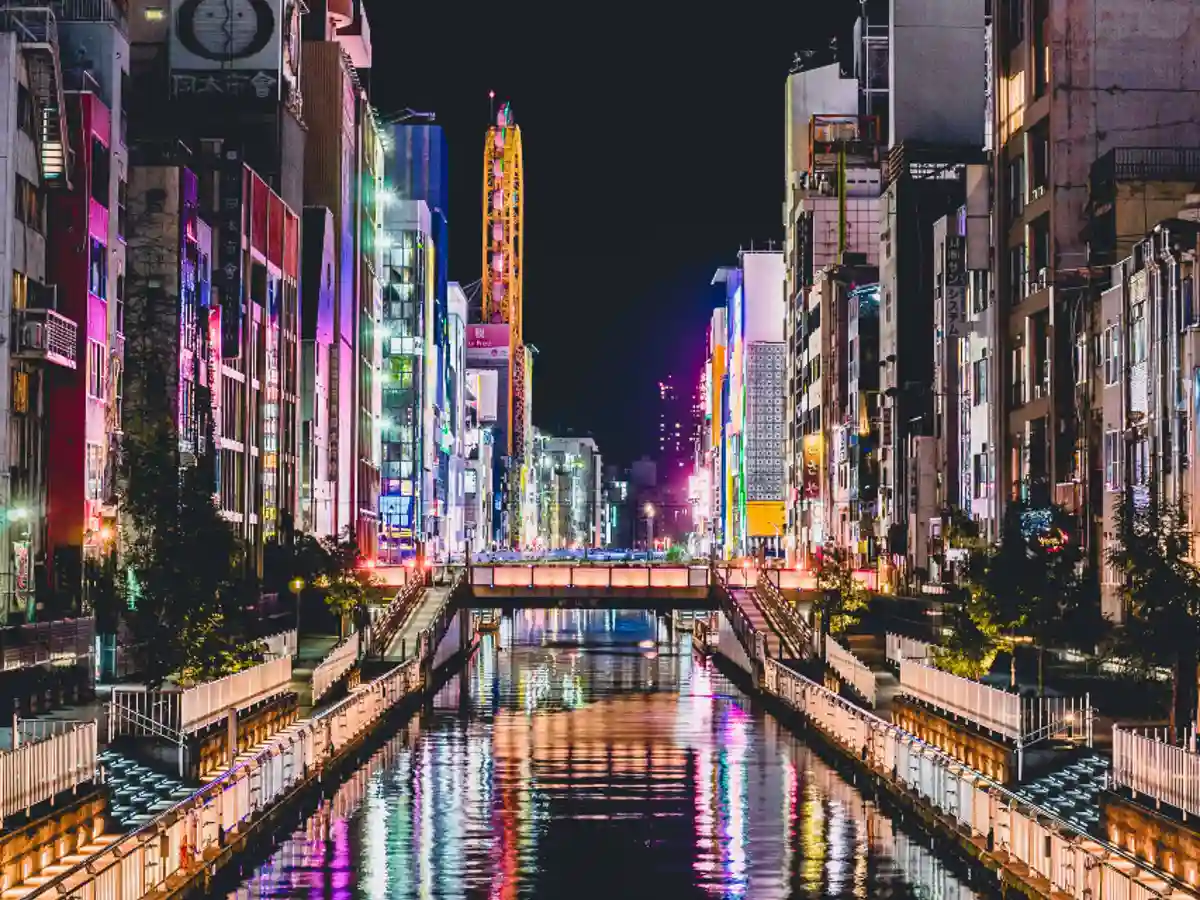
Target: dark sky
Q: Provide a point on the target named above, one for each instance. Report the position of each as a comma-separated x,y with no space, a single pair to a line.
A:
653,146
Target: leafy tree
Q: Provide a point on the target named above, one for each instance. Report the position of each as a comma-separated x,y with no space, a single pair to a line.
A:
1029,586
185,568
842,598
1162,591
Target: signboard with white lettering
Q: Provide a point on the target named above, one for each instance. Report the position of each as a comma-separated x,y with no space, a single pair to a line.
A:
954,320
230,48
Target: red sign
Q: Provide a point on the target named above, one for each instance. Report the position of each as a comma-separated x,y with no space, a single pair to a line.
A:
487,342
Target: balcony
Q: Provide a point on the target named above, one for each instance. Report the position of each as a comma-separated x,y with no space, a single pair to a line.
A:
45,335
114,11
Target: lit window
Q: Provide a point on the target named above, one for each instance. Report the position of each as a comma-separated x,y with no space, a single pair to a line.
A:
155,14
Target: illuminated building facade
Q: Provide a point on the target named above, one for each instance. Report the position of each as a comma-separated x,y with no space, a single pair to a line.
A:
408,377
568,476
752,404
42,376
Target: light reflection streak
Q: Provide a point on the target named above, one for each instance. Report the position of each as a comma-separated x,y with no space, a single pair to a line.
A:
664,750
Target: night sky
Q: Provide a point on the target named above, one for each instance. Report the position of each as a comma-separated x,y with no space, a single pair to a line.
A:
653,139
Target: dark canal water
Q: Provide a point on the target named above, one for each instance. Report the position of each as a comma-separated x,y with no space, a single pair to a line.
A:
592,756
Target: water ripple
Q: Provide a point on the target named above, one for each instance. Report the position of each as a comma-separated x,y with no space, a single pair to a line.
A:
568,761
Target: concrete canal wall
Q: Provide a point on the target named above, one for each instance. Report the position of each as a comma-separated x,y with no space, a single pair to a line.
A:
1025,850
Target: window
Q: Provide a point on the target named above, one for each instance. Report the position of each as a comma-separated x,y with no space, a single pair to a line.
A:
1112,460
95,373
122,202
979,381
1016,187
1037,149
95,472
20,290
1137,334
981,476
1039,248
20,391
101,172
1111,348
26,114
98,270
28,206
1017,275
1014,23
119,312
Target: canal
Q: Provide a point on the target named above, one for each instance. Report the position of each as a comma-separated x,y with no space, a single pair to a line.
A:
589,754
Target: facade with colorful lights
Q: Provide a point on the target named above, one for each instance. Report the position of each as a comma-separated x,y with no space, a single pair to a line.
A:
751,403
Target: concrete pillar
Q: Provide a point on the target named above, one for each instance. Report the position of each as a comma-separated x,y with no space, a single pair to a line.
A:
231,736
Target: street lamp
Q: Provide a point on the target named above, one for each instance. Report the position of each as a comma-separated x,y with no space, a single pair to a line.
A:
649,511
296,585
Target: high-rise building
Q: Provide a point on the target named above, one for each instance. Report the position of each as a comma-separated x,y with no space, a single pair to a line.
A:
40,360
417,172
674,430
831,220
568,473
752,482
1080,177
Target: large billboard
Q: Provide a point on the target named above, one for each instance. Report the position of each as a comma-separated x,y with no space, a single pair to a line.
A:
233,49
487,344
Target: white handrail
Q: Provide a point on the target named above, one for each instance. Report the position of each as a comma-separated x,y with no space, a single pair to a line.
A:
987,707
1146,763
900,647
851,670
1076,864
336,663
176,840
281,644
40,770
205,703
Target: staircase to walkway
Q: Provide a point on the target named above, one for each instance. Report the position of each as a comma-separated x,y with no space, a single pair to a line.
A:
744,598
404,645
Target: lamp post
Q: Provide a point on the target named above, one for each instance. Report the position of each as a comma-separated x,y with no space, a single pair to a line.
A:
648,509
296,586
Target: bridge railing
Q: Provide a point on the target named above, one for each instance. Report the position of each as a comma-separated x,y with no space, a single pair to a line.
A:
620,576
58,759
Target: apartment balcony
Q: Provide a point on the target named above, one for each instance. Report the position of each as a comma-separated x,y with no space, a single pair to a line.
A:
44,335
113,11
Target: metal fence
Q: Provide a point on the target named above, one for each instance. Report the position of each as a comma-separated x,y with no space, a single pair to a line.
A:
1023,721
205,703
988,707
41,769
1075,864
900,648
282,644
173,714
23,646
336,663
1145,762
191,832
851,670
